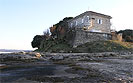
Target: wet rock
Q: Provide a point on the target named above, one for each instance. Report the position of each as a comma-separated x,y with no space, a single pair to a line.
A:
3,66
22,52
24,80
38,55
16,57
58,57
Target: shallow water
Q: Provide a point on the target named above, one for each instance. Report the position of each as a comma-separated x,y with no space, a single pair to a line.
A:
5,52
12,74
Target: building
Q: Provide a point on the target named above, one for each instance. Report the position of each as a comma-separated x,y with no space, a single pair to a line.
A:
88,27
91,21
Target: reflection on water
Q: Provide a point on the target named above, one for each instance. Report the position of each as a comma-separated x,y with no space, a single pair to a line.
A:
4,52
24,70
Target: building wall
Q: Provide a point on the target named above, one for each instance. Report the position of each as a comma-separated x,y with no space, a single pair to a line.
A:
83,21
82,37
104,27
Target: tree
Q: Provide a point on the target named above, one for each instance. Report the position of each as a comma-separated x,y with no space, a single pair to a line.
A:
46,33
127,35
59,30
129,39
37,41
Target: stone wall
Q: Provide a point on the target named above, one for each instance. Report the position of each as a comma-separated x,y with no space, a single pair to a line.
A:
83,36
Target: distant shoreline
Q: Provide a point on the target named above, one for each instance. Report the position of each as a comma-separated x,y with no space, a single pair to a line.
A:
5,52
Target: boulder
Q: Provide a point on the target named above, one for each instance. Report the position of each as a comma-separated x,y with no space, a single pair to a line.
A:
22,52
3,66
38,55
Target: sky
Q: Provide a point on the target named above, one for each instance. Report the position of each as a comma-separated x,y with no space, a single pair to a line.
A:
21,20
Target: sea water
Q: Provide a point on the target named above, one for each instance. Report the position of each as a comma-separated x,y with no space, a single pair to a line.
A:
5,52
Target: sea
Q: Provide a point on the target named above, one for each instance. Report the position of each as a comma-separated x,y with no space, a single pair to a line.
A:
3,51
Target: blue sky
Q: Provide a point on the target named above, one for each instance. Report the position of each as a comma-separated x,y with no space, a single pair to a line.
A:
21,20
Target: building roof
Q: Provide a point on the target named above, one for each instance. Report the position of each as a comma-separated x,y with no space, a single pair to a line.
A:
93,13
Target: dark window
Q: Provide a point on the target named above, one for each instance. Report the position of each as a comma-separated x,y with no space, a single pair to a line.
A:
99,21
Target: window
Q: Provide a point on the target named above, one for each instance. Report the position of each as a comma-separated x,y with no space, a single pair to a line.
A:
76,23
71,24
105,35
99,21
87,18
82,20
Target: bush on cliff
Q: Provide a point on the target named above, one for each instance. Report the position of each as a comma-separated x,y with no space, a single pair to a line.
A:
53,45
39,38
127,35
60,29
37,41
57,46
105,46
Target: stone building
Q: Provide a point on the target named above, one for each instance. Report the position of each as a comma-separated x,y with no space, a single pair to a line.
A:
90,26
91,21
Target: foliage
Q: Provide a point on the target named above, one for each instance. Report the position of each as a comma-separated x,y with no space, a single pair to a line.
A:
60,29
46,33
57,46
39,38
37,41
127,35
53,45
105,46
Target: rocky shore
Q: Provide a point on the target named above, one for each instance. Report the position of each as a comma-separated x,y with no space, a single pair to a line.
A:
33,67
